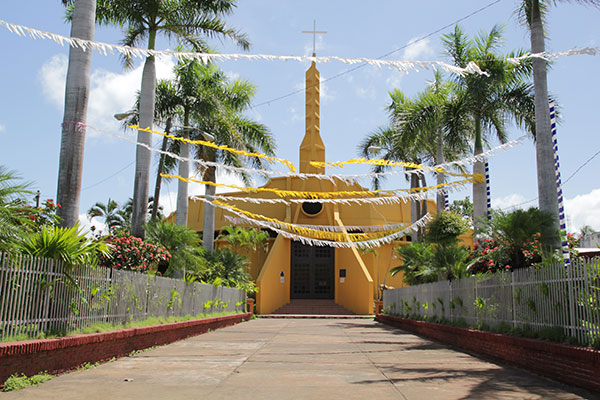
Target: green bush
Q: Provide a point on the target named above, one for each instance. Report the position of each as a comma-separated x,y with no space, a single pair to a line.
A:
69,245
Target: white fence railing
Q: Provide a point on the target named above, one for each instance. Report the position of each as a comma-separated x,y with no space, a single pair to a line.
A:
41,295
546,297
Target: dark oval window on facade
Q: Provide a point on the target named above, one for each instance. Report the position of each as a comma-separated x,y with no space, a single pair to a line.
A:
312,208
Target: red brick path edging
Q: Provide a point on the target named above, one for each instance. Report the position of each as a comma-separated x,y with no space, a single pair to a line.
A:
57,355
573,365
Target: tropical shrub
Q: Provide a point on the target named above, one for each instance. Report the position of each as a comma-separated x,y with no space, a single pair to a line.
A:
45,215
514,240
445,228
132,253
14,216
69,245
223,267
181,242
442,257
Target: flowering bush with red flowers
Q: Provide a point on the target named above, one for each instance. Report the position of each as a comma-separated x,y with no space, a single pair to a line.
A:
44,215
132,253
493,255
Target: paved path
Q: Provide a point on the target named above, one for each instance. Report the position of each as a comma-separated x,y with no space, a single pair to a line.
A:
301,359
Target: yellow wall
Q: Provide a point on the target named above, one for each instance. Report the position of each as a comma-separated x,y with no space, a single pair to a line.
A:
273,294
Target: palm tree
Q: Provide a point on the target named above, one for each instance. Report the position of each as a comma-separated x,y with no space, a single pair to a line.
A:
215,106
110,212
532,13
184,19
165,111
435,122
77,91
14,220
490,100
432,128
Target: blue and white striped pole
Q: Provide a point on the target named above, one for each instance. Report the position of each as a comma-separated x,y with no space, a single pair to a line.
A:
489,192
561,206
446,202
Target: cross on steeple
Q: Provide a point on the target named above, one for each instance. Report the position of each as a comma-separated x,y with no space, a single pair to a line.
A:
314,33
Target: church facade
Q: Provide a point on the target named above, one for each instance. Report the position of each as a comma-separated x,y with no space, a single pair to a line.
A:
289,269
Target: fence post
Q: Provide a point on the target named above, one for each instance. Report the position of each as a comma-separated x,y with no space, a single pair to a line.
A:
451,300
513,295
572,317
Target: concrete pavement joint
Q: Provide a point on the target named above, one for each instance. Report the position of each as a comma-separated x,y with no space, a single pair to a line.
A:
374,365
236,369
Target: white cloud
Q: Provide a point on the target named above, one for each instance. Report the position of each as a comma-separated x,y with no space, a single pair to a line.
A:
395,79
583,210
232,76
86,224
417,50
110,92
53,75
507,203
366,93
169,200
2,128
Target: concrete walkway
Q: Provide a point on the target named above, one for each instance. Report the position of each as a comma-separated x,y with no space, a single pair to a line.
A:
301,359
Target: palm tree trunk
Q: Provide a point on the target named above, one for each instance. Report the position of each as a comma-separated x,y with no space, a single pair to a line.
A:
142,156
161,166
548,198
415,205
423,207
441,178
184,171
73,129
208,231
479,189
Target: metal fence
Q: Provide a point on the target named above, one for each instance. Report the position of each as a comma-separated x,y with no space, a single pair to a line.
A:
41,295
545,297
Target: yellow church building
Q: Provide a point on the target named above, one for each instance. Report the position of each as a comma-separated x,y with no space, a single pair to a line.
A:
290,270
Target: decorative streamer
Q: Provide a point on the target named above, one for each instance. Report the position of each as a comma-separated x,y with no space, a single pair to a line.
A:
219,147
326,195
310,232
317,242
335,228
488,190
380,200
106,48
419,168
561,206
330,177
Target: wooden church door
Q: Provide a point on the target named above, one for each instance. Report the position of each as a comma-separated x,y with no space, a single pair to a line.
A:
313,272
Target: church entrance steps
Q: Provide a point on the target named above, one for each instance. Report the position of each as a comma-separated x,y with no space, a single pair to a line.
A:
315,316
312,307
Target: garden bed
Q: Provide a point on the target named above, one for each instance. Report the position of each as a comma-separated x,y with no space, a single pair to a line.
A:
573,365
62,354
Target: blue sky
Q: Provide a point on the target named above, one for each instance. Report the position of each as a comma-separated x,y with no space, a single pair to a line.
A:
353,104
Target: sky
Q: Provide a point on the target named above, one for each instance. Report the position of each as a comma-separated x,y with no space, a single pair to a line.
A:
32,82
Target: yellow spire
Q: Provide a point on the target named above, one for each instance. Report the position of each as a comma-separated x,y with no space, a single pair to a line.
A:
312,148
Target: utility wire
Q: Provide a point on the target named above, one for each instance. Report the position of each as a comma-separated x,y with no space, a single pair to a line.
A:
386,54
564,183
107,178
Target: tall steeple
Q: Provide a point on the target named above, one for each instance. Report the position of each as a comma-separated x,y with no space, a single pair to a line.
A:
312,148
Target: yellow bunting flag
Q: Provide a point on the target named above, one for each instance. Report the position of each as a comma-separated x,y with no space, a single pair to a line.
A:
309,232
219,147
476,178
